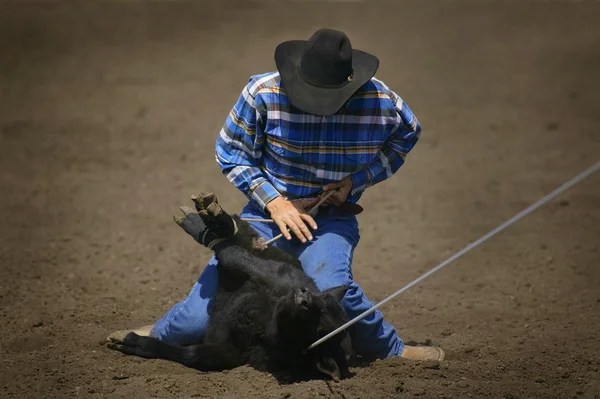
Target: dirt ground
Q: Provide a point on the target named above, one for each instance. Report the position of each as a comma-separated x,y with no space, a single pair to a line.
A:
108,116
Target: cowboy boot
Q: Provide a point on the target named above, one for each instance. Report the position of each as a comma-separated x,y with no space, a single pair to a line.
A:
423,353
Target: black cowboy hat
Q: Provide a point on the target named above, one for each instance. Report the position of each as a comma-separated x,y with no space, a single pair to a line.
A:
321,74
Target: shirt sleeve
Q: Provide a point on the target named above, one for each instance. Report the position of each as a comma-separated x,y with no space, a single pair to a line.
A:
404,135
239,151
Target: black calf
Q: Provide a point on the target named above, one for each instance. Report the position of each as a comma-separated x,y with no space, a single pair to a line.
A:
267,311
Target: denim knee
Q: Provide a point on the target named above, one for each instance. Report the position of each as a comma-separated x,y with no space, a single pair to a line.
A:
186,322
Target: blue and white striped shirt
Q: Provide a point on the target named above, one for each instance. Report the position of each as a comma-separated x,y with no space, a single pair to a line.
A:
267,148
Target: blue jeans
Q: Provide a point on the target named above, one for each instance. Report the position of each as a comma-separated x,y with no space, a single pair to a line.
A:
327,259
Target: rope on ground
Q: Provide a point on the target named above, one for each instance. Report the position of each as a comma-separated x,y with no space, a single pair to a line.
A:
573,181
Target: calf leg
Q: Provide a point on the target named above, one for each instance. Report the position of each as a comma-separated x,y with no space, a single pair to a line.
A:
238,260
214,228
215,357
232,231
193,224
209,225
216,219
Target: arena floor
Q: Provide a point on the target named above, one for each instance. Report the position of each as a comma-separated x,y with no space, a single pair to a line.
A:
108,117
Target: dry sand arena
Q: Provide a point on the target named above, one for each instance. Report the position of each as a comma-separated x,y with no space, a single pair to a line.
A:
108,116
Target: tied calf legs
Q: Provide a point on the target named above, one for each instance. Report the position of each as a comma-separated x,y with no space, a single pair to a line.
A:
209,225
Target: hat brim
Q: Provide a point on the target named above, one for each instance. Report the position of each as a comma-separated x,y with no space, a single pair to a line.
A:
315,99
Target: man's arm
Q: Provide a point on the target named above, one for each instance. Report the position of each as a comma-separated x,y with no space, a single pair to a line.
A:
390,158
239,150
238,153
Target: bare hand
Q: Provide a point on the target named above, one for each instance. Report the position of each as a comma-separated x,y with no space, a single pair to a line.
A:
292,214
344,187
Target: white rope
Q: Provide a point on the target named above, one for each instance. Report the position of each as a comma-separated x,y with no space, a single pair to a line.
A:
469,247
257,220
312,212
217,241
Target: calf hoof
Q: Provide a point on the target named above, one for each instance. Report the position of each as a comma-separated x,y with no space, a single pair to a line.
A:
216,219
118,337
131,345
191,223
203,200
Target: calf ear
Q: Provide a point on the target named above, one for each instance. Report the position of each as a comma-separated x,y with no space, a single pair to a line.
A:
329,367
336,292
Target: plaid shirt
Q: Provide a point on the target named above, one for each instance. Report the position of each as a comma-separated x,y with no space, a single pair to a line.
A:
267,148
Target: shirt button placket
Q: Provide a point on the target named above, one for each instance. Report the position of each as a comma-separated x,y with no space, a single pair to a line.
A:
322,141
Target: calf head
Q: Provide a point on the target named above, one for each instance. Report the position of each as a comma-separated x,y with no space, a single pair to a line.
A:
301,318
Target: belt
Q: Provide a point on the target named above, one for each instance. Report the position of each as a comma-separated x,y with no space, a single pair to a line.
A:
347,208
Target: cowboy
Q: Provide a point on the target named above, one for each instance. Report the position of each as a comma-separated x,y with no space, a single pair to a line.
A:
321,122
